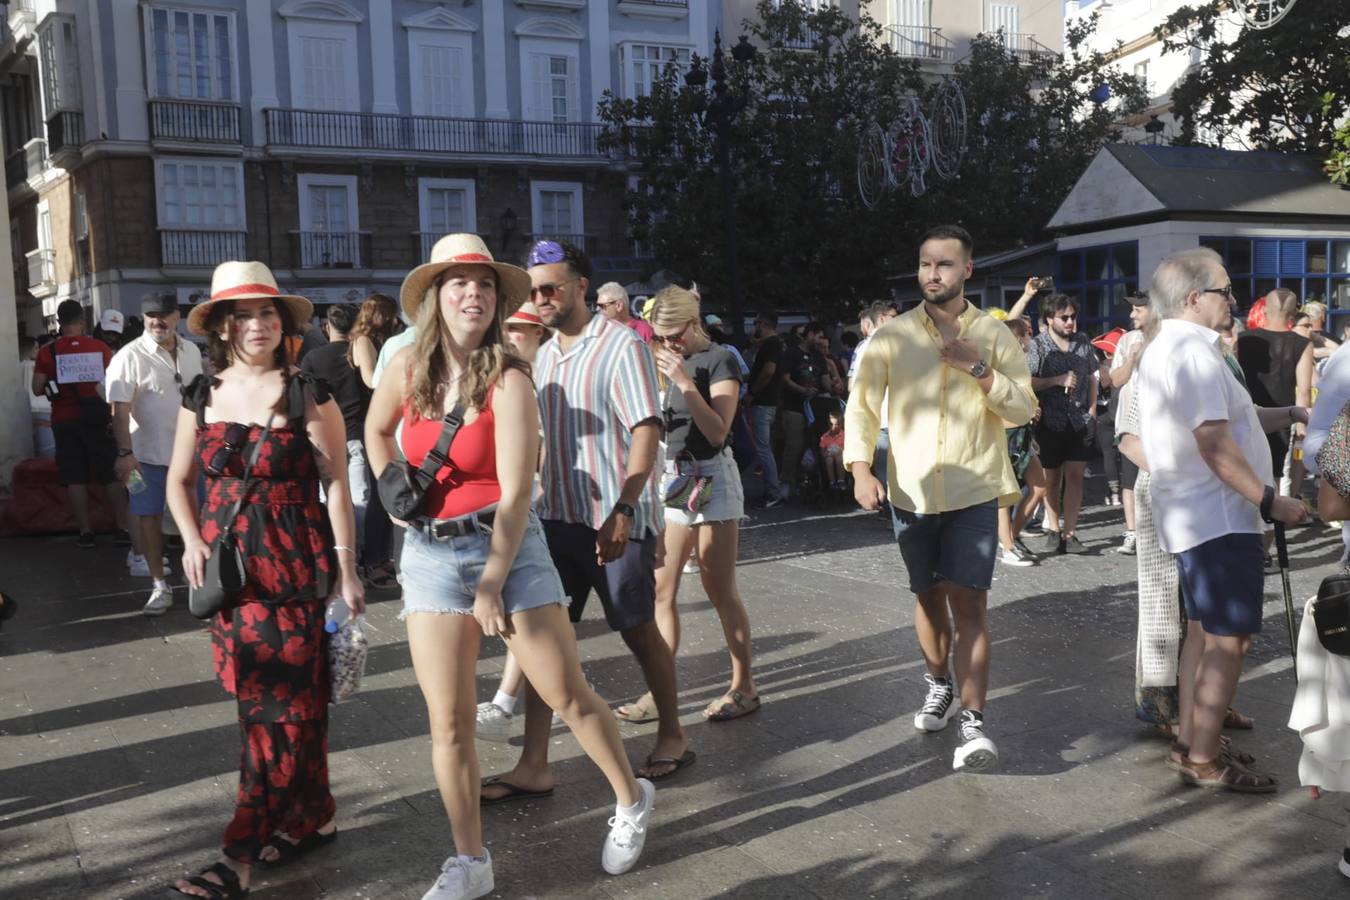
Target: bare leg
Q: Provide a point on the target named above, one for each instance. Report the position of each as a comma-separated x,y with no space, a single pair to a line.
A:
1215,684
679,542
1191,650
117,498
1127,501
658,668
512,676
972,644
718,544
933,627
1073,496
151,542
444,650
1005,528
1054,482
78,495
1035,479
532,771
241,869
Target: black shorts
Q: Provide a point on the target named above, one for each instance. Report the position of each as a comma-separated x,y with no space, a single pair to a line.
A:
84,450
1129,473
627,586
1059,447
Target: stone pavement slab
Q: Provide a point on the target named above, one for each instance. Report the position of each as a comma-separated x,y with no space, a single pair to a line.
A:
118,750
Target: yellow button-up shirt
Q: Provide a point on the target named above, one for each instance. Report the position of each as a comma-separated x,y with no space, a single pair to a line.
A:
948,448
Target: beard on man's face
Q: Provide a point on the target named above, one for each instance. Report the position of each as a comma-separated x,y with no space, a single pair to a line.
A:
943,294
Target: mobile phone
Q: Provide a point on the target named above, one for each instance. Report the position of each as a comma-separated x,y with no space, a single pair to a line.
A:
1045,283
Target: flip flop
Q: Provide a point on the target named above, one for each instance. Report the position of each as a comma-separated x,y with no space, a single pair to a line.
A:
686,760
740,705
513,792
643,709
288,850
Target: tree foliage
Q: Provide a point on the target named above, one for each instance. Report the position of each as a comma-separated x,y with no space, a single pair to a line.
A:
806,240
1282,88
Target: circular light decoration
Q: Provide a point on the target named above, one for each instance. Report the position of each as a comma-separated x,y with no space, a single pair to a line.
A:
1262,14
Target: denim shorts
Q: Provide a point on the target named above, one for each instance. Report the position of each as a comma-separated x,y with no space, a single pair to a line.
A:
442,576
727,501
149,502
1223,584
956,546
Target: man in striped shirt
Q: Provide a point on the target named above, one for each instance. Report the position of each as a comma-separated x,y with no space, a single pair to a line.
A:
603,519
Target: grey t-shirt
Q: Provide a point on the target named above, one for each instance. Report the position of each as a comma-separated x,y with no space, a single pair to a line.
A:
706,368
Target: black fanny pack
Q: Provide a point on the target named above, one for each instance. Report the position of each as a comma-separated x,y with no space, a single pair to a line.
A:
402,488
1331,614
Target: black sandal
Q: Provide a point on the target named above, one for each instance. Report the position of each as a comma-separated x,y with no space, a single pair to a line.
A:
8,607
290,850
226,889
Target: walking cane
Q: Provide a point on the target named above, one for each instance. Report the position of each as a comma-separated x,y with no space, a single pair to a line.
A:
1282,551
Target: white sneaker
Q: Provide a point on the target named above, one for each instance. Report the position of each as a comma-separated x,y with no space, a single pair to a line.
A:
1344,862
461,880
1011,557
938,707
494,723
627,834
161,598
137,567
977,752
1127,544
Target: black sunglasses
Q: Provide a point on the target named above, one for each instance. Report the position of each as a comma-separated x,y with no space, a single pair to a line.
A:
548,290
236,435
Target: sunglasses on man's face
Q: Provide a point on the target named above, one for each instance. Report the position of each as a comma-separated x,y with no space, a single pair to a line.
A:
236,435
547,291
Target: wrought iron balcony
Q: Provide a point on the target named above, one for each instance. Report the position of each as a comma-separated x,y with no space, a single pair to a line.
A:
654,9
204,249
432,134
196,121
65,136
921,42
1025,46
330,249
41,270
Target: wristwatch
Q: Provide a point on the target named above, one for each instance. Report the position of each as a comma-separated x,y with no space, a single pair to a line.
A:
625,509
123,452
980,369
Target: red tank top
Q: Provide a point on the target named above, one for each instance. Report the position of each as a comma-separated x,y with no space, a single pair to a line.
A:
469,481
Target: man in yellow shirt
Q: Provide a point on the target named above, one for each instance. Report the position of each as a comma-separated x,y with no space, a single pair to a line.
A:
955,375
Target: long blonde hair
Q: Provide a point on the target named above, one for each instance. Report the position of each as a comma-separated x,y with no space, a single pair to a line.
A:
430,365
675,307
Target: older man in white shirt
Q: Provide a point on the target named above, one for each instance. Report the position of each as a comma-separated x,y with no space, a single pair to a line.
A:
144,385
1204,443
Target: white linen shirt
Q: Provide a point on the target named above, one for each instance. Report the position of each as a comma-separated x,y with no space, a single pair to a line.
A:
142,374
1183,383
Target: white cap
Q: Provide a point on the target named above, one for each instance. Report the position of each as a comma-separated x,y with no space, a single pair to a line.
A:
111,320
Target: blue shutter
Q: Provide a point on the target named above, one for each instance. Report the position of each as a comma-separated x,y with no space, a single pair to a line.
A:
1265,257
1292,258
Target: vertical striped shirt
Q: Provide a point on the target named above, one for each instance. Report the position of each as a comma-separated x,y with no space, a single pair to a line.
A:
590,400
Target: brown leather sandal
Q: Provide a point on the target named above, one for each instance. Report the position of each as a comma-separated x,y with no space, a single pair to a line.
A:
1225,775
1237,721
1178,751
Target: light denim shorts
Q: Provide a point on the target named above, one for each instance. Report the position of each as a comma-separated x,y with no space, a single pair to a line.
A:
727,503
442,576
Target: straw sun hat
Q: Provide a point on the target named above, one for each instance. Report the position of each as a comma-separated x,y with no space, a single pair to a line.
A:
246,281
513,283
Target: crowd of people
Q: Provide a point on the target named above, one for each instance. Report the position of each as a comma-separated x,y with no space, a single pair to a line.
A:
573,452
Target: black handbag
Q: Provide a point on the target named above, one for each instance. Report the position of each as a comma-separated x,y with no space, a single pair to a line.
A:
403,488
1331,614
224,575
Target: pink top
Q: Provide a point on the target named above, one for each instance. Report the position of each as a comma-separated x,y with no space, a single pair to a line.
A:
642,328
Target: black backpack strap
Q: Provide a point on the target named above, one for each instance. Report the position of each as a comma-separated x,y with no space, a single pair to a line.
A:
439,455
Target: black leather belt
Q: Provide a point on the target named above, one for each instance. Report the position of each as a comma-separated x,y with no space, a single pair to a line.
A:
447,529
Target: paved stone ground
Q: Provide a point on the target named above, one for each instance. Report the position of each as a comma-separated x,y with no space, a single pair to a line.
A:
118,751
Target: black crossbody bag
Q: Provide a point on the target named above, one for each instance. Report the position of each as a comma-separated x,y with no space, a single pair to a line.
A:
224,576
402,488
1331,614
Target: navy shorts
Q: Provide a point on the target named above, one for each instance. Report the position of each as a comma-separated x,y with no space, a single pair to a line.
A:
956,546
627,586
150,502
1223,584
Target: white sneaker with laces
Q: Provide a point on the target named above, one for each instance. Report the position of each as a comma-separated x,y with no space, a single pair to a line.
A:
1127,544
628,834
938,707
1011,557
462,879
1344,863
977,752
494,723
691,566
161,599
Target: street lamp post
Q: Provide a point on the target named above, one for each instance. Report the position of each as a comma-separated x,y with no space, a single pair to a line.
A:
727,103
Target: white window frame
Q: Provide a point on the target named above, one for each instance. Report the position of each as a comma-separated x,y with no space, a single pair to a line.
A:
627,62
236,166
464,102
470,188
311,180
44,225
539,188
297,28
529,48
152,59
59,65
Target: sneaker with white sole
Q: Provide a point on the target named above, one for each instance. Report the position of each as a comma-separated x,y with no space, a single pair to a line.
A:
691,566
1127,544
137,567
1012,557
161,599
628,833
938,707
494,723
1344,862
977,752
463,879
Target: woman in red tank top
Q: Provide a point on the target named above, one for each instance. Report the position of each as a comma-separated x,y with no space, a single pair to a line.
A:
475,562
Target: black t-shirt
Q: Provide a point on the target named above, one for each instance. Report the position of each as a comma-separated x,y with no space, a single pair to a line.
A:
329,362
806,367
711,366
770,351
1269,361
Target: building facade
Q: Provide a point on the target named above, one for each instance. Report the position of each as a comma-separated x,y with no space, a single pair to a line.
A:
148,140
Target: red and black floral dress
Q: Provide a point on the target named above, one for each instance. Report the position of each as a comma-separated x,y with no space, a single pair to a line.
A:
269,648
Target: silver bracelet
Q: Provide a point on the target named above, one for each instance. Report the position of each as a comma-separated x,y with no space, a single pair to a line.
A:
348,549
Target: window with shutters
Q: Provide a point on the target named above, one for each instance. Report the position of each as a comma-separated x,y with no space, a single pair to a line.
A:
1316,269
441,72
644,63
324,66
199,194
192,54
60,61
447,206
911,19
557,212
1003,18
329,225
550,81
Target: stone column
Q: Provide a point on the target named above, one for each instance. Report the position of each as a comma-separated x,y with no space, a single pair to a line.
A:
494,69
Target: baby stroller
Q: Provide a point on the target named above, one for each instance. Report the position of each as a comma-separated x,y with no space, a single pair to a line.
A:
815,482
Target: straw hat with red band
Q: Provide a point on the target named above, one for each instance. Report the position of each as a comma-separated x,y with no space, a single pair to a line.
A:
246,281
513,283
527,315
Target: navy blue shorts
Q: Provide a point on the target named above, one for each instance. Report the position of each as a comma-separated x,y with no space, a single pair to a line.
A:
1223,584
956,546
627,586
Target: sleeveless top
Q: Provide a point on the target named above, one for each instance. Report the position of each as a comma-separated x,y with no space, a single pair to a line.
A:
468,481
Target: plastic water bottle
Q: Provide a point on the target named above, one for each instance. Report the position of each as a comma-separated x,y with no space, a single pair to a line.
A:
336,616
136,482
